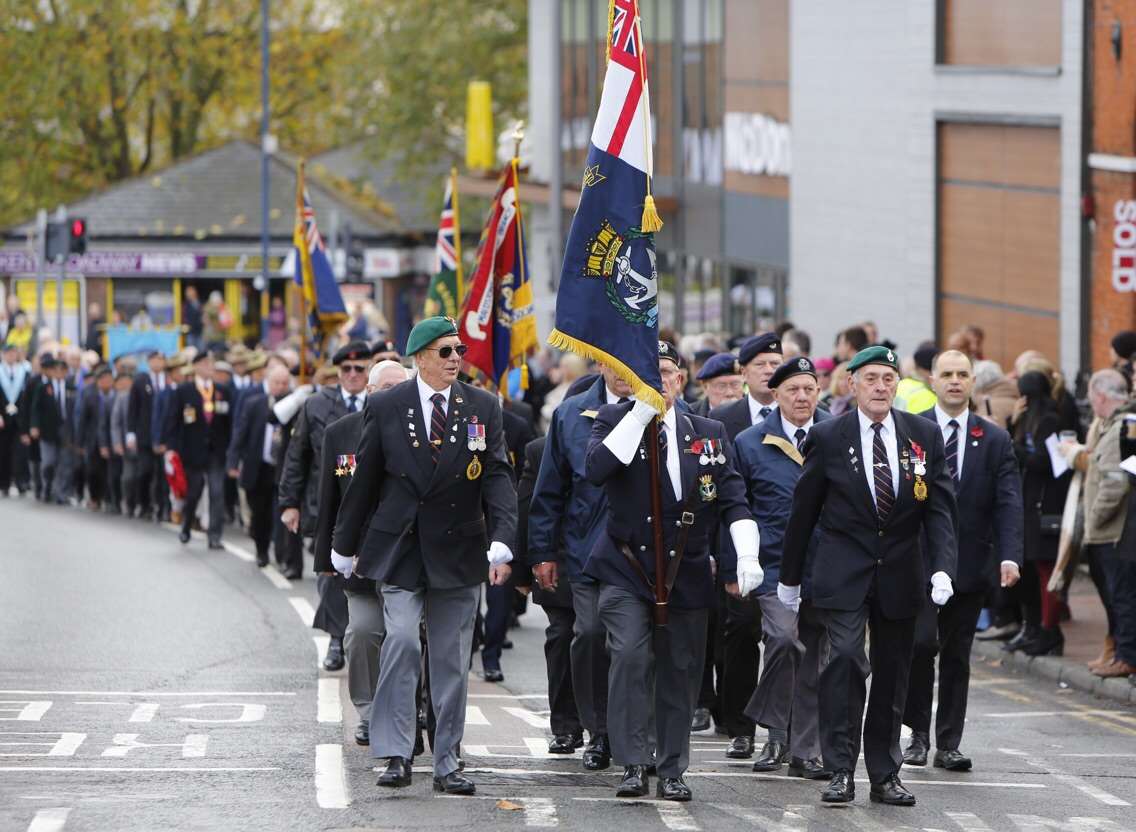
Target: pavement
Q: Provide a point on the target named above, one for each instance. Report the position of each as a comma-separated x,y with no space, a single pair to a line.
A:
146,685
1084,638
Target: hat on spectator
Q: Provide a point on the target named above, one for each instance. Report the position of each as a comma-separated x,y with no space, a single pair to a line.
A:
238,354
223,367
824,364
758,344
925,356
1124,344
257,360
722,364
176,361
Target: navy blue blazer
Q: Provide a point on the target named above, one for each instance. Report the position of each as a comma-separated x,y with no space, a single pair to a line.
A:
770,464
719,496
989,498
567,513
735,416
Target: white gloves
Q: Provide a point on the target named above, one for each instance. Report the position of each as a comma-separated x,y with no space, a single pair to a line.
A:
744,535
624,438
342,564
941,588
290,405
790,596
1070,450
498,553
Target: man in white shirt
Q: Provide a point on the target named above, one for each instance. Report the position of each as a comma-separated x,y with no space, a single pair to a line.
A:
759,357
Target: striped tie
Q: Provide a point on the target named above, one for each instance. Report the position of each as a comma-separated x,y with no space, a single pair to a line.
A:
953,449
885,493
800,437
437,425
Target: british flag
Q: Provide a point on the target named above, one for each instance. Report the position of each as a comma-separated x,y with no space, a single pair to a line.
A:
623,115
447,255
313,270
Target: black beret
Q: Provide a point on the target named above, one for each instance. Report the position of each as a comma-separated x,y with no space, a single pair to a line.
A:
722,364
667,350
1124,344
752,347
702,356
925,356
47,362
201,356
351,352
382,346
793,367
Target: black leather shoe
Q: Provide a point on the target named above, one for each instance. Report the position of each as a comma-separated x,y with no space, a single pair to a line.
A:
672,788
494,675
891,792
293,574
397,775
701,720
454,783
334,659
952,760
1025,635
565,744
916,752
635,782
183,536
808,769
840,789
772,755
262,561
741,748
1049,642
215,544
597,756
362,734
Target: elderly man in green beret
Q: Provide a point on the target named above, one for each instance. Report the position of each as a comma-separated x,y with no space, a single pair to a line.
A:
430,515
875,488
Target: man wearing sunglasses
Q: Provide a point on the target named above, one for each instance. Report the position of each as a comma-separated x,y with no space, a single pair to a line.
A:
432,454
299,485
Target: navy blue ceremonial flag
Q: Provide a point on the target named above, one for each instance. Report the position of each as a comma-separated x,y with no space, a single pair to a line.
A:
314,274
607,305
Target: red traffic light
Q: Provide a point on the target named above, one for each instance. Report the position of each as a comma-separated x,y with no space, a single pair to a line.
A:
78,228
78,242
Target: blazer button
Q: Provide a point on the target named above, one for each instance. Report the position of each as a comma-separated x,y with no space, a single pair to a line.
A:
648,518
642,548
678,523
671,553
881,532
880,562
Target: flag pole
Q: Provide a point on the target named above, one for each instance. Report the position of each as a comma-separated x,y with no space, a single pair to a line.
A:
518,137
657,524
460,299
651,221
302,241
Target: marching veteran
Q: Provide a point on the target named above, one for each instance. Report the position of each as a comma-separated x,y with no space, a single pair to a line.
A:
430,512
875,481
700,489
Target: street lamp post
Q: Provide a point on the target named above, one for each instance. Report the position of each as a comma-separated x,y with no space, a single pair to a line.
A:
264,154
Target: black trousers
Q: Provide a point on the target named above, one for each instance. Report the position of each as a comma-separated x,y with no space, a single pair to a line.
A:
289,547
1120,571
741,637
564,718
949,632
197,480
114,481
9,445
149,475
262,510
843,684
95,472
496,625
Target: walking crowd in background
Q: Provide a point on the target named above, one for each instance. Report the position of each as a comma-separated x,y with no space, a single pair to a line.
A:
228,435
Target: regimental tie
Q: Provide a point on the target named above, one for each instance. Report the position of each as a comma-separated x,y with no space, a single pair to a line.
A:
764,413
799,436
881,470
953,449
353,404
437,425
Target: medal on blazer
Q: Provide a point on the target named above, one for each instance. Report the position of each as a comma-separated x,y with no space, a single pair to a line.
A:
707,489
473,470
11,410
189,414
710,451
345,465
920,468
475,435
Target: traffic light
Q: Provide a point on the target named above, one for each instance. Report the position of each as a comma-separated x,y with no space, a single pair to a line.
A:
78,240
56,244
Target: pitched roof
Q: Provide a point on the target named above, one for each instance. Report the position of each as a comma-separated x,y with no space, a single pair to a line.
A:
217,193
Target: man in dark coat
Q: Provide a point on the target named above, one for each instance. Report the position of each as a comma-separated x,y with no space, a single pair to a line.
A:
430,467
984,469
94,408
875,481
254,454
299,485
51,423
700,489
198,427
770,461
143,434
758,357
722,383
14,377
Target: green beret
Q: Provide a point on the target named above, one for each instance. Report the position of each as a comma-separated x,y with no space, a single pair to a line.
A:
874,355
428,330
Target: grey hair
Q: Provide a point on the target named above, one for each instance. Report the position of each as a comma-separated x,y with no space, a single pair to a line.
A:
377,370
986,374
1110,384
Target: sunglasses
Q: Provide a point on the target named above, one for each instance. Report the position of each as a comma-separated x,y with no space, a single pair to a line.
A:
347,369
445,352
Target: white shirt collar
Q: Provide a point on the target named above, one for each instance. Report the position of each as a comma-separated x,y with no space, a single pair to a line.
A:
791,429
942,417
425,391
347,397
669,420
611,397
866,422
755,406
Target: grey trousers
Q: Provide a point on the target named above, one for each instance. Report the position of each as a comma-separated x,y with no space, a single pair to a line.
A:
449,631
362,643
679,653
197,480
331,614
589,657
786,693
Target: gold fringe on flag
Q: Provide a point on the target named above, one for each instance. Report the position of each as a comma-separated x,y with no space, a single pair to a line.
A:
639,388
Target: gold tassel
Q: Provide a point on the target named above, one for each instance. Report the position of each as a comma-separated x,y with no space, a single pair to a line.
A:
651,221
525,376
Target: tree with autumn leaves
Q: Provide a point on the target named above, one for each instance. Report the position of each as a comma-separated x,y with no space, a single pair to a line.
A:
96,91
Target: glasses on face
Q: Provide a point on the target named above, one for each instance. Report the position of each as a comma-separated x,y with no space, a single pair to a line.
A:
348,369
448,350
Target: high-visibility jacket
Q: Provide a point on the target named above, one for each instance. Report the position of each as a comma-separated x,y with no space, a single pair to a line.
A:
914,396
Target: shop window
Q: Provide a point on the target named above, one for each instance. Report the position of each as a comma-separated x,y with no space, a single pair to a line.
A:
999,33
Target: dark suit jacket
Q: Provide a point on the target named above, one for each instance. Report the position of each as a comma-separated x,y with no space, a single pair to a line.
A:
299,481
735,416
337,467
722,497
88,434
246,450
518,434
54,425
140,412
856,554
430,526
522,570
989,499
199,443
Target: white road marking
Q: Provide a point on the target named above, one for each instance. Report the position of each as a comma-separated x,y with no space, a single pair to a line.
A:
303,609
66,744
1073,780
540,812
1091,755
968,822
1033,714
792,820
675,816
321,642
30,710
331,781
49,820
154,692
143,711
538,749
275,578
328,707
1036,823
238,552
475,716
122,744
139,769
528,717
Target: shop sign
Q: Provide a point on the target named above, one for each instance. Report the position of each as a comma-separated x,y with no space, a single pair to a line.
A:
107,263
387,262
1124,246
757,145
